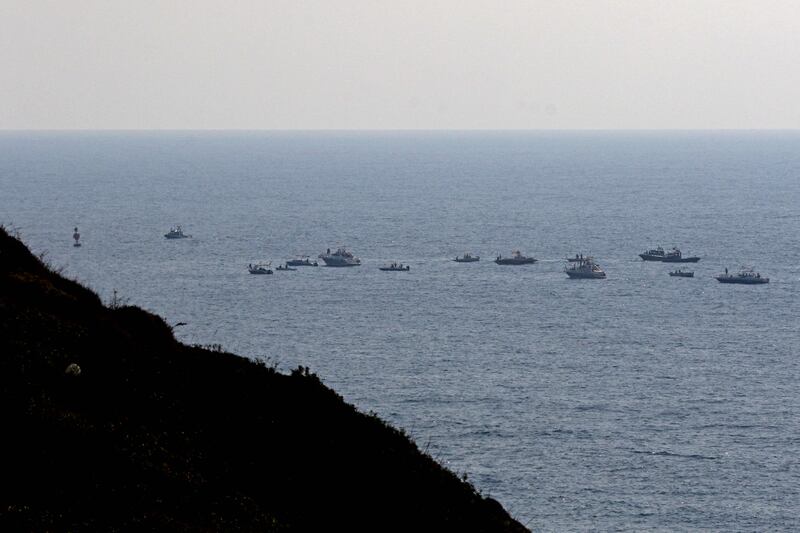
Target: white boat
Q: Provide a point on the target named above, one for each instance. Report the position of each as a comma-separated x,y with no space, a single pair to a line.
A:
745,276
259,268
301,261
585,268
339,258
176,233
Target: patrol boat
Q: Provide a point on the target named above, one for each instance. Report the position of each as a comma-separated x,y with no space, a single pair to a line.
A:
585,268
339,258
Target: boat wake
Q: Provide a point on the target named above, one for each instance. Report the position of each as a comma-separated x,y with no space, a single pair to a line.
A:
664,453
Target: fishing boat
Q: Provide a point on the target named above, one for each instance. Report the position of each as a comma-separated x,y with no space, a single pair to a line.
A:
672,256
467,258
176,233
284,267
656,254
516,259
395,267
681,274
675,256
745,276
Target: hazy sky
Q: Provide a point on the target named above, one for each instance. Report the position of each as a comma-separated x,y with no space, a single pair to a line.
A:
399,64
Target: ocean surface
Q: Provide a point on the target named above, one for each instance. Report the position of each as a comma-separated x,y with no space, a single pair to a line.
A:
639,402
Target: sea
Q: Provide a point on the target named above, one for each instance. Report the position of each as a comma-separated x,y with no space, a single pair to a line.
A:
641,402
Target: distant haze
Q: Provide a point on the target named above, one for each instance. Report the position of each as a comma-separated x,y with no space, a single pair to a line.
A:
453,64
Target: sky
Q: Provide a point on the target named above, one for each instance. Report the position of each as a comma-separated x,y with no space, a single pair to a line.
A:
447,64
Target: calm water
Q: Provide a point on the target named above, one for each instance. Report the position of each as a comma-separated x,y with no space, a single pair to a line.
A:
638,402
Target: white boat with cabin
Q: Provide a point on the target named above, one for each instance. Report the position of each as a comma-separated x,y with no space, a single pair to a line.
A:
340,258
585,268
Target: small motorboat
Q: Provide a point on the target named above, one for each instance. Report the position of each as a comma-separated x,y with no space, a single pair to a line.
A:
176,233
579,258
395,267
284,267
681,274
259,268
77,237
301,261
467,258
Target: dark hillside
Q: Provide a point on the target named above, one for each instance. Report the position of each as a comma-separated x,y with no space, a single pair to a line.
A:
109,423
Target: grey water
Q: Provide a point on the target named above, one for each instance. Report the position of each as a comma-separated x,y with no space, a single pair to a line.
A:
639,402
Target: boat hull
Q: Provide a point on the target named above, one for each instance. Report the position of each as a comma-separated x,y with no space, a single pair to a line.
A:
742,281
681,259
648,257
340,264
586,275
404,269
470,260
526,261
682,274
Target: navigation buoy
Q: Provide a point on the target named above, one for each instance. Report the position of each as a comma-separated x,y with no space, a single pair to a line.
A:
77,237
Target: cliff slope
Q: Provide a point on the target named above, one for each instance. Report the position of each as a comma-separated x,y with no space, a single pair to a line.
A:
111,424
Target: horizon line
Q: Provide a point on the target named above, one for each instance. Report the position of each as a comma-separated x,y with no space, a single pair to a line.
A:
356,130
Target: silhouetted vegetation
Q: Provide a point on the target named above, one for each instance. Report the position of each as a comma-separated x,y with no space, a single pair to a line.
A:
110,424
